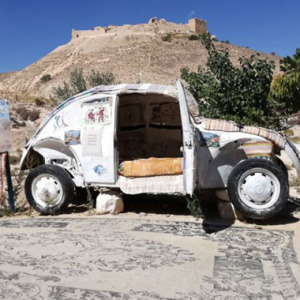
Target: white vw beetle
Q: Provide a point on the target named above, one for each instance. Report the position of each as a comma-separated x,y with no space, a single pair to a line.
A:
144,138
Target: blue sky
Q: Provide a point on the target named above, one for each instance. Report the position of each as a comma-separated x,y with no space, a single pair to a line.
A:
30,29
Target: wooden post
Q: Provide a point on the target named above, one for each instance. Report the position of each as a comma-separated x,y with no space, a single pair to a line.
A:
9,184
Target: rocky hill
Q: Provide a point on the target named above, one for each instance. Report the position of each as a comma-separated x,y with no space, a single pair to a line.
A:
153,52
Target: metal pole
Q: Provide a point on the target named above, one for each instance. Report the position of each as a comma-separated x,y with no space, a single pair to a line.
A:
9,184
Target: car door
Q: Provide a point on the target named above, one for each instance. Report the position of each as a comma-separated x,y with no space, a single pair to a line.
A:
98,153
189,139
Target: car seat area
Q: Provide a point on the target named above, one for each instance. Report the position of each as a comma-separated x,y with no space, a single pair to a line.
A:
149,133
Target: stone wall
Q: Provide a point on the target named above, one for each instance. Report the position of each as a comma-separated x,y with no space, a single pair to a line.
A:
76,34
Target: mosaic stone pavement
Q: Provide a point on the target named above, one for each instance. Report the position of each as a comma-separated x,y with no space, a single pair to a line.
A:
115,258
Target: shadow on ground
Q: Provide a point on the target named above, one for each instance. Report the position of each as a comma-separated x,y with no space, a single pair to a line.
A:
156,204
177,206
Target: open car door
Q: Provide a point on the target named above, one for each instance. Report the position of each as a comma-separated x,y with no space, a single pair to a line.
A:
98,153
189,138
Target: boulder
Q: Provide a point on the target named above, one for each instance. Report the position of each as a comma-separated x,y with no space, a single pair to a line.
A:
228,212
109,203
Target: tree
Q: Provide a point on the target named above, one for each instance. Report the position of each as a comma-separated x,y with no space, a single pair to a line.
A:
234,93
291,64
286,87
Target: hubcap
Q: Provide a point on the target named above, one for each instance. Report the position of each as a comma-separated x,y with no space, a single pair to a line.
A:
47,190
259,188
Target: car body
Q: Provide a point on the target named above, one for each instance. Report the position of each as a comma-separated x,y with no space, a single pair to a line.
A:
90,134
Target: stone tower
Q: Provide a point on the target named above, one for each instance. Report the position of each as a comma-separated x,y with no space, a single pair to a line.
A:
198,26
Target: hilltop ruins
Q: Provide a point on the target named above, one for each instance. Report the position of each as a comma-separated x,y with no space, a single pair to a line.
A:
195,26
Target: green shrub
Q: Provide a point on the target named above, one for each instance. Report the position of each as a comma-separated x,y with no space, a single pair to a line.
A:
62,92
97,78
194,37
166,37
46,78
79,83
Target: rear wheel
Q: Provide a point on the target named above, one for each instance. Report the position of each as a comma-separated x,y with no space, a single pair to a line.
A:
258,188
49,189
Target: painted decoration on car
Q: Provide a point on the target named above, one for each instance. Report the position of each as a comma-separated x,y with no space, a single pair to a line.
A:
92,142
165,114
97,112
5,128
211,139
100,170
72,137
61,121
131,115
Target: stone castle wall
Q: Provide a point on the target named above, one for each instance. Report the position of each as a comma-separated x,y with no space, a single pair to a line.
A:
194,25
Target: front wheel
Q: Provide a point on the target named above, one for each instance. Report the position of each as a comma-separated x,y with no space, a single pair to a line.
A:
49,189
258,188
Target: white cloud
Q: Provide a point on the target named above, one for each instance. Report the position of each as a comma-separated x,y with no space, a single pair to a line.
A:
192,13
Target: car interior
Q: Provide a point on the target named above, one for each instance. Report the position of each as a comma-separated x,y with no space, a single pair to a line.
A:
149,135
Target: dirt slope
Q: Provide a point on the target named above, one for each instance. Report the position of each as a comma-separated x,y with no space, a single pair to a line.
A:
131,52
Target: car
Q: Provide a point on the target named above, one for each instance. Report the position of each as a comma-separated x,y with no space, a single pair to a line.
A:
147,138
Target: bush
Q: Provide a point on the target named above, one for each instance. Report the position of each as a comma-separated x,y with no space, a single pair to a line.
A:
194,37
78,83
13,159
240,94
46,78
62,93
166,37
38,102
96,78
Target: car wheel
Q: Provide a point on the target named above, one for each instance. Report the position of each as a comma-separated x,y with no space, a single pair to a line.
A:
258,188
49,189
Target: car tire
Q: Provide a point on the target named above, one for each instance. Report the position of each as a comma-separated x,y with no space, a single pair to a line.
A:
49,189
282,166
258,188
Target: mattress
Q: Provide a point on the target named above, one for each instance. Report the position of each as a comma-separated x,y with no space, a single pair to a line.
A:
151,167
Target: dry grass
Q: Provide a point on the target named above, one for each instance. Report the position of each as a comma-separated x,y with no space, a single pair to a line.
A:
15,159
289,132
295,182
295,139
